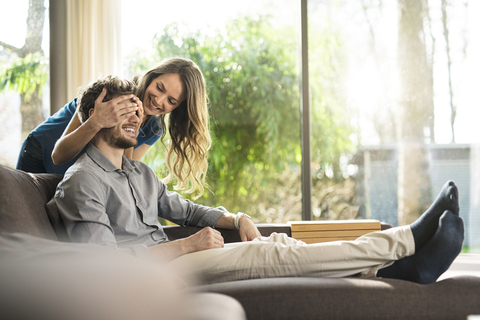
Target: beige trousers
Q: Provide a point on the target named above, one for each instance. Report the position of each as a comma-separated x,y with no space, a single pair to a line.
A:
281,256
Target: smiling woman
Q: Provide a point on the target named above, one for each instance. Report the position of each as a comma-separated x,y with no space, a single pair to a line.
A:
177,87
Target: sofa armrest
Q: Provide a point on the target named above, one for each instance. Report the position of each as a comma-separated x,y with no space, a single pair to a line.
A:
385,225
229,235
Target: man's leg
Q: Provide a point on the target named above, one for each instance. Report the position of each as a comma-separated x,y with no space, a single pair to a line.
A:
435,257
280,256
424,227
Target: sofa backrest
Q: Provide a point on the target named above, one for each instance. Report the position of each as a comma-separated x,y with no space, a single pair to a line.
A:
22,202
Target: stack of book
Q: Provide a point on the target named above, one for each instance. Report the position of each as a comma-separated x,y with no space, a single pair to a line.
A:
332,230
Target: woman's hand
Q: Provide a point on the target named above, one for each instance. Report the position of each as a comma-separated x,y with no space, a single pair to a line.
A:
108,114
140,111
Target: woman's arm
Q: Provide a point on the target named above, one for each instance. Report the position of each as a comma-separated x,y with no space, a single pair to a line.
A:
105,115
73,140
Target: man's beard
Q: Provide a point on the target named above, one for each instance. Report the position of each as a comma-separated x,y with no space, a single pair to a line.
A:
116,141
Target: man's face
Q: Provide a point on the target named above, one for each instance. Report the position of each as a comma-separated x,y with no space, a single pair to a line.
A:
123,135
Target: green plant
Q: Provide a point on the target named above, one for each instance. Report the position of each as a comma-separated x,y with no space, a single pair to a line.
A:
25,75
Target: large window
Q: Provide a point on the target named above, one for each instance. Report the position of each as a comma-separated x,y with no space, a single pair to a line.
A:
24,98
248,52
393,108
392,112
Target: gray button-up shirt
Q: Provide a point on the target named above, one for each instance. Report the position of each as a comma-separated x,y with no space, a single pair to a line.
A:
100,203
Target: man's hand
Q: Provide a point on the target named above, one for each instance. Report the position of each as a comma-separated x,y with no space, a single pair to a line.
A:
248,231
207,238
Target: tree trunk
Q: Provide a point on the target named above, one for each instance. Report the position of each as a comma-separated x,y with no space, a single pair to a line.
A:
429,58
35,22
453,108
413,178
31,110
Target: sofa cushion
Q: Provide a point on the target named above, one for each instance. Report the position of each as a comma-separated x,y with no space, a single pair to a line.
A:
23,197
352,298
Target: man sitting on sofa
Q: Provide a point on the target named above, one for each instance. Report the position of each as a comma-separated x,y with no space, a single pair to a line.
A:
108,199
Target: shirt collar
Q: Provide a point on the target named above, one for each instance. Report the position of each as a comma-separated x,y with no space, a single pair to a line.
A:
103,162
99,158
128,165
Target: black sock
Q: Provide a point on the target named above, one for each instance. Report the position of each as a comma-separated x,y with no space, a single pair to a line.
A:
434,258
424,227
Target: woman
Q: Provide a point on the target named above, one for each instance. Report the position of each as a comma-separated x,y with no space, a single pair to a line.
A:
175,87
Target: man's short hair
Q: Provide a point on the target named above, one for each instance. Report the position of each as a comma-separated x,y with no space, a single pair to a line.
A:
115,87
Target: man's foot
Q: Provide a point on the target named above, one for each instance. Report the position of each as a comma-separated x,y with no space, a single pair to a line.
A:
435,257
424,227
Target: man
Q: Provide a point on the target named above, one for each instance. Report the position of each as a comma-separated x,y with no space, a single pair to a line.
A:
108,199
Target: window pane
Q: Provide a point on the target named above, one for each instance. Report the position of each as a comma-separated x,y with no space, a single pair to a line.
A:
248,52
24,101
393,108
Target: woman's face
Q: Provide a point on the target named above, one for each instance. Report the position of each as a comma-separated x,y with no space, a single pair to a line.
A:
164,94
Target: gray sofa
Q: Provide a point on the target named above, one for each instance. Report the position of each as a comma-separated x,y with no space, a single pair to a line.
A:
24,197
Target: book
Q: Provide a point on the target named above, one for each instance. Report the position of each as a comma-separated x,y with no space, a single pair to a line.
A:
335,225
332,230
334,233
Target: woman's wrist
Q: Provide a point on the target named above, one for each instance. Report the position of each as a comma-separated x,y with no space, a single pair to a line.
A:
93,124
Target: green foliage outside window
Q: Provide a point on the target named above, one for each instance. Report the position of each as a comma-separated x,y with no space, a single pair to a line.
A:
25,75
252,76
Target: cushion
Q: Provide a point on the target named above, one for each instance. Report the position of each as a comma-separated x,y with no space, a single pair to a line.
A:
352,298
23,197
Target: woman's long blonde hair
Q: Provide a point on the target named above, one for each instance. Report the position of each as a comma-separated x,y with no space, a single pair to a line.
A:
188,125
